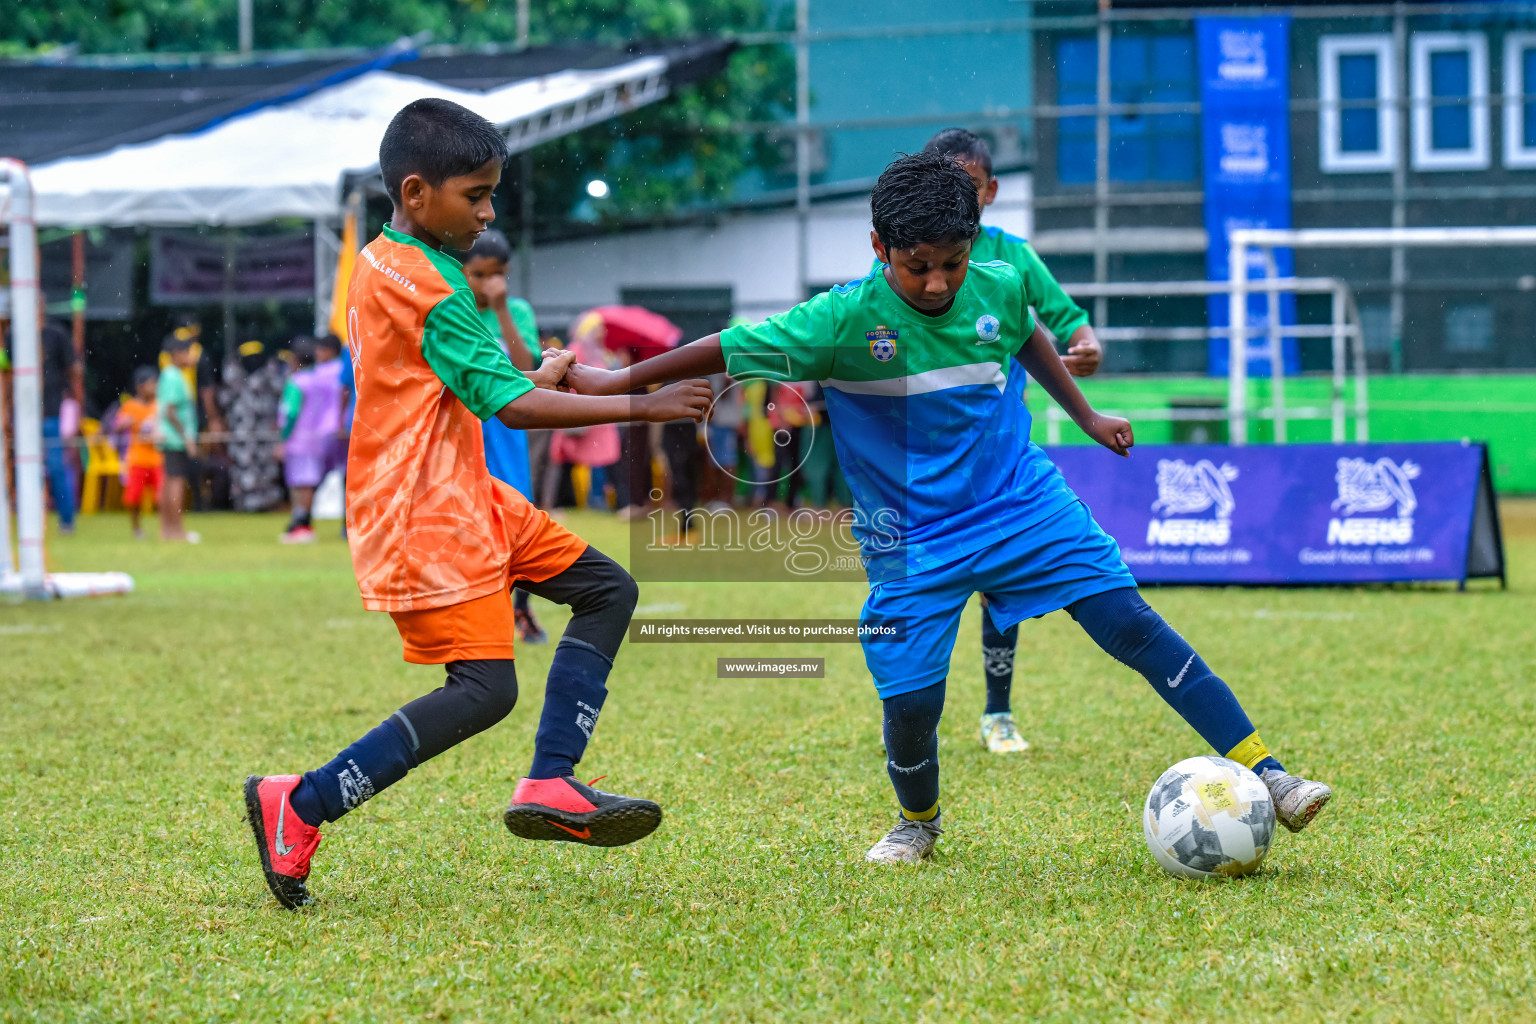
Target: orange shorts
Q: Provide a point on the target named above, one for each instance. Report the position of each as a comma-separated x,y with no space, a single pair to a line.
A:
483,628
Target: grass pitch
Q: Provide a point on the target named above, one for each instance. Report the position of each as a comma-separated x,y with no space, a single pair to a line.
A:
131,891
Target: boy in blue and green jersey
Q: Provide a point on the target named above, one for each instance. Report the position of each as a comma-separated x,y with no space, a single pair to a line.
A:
1068,322
923,366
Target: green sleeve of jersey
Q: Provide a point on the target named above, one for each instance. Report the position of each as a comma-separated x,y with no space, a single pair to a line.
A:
1058,312
293,402
466,356
795,345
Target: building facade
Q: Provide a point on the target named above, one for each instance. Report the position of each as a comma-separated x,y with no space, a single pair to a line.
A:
1398,115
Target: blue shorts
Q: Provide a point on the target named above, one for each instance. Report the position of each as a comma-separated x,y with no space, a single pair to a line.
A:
1047,566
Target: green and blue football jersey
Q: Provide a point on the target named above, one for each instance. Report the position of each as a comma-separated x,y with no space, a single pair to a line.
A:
927,413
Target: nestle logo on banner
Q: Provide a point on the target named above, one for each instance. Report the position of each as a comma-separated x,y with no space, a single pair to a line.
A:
1245,150
1242,56
1366,486
1184,489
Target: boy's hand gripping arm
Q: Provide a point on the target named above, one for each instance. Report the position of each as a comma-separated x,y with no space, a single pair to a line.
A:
1040,358
696,359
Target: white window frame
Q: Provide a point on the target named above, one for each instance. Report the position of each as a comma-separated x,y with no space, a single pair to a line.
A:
1426,158
1516,153
1333,157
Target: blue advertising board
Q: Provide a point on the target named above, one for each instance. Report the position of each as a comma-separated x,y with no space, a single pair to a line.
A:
1306,513
1246,153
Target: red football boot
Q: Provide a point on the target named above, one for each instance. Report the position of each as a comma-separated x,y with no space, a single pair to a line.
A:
283,840
564,809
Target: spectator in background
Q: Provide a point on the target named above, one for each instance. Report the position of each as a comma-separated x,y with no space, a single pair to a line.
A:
177,421
511,322
343,442
252,391
723,437
145,466
311,412
597,447
61,378
485,268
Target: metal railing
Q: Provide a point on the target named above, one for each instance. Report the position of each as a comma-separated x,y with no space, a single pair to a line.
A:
1343,330
1266,240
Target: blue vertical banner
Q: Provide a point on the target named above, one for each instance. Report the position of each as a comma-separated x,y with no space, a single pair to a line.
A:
1246,153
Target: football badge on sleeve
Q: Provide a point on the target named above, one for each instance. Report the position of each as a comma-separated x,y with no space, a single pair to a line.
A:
882,342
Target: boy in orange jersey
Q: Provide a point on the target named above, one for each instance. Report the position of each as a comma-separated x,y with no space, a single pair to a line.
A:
436,541
137,416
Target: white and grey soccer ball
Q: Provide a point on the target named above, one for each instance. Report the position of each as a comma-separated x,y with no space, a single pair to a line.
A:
1208,817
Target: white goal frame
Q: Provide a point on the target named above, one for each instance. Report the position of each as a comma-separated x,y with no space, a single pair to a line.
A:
33,581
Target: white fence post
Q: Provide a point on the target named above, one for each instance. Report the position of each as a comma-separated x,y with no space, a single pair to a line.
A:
1276,346
1237,340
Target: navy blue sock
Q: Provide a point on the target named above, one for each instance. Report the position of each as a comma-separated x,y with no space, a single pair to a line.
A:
912,749
366,768
1130,631
997,649
573,696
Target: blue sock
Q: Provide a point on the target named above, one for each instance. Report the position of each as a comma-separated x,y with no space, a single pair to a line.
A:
573,696
997,650
366,768
912,749
1130,631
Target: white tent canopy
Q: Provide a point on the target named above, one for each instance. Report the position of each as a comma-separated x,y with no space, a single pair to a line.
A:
291,160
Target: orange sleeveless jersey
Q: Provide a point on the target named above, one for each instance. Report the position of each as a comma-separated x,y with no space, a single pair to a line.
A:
427,524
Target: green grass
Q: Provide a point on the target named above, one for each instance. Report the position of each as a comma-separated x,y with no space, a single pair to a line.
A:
130,891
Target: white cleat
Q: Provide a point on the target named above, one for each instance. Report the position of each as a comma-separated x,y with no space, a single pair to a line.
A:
1297,800
910,842
999,735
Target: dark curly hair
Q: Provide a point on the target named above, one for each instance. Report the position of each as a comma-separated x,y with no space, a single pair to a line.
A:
924,197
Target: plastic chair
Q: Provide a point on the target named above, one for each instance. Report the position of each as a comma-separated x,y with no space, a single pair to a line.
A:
102,488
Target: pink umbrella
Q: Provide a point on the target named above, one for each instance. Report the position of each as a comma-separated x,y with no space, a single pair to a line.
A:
637,330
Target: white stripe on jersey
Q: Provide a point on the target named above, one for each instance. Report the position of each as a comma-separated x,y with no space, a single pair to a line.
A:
926,382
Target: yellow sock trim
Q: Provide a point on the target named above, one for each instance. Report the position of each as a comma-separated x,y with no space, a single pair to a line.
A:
928,815
1249,752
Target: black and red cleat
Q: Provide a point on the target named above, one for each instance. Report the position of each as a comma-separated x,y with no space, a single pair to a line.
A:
283,840
566,810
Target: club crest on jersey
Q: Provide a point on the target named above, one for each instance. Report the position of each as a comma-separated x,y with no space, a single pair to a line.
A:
882,342
988,327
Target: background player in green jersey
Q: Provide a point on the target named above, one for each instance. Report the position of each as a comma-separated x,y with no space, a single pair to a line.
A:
1065,319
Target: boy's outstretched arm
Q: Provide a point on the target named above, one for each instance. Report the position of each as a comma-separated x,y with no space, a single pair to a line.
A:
695,359
1040,358
688,399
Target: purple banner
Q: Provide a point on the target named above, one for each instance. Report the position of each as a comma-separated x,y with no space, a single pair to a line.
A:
188,269
1303,513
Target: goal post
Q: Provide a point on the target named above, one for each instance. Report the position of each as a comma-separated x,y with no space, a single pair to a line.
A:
26,367
28,575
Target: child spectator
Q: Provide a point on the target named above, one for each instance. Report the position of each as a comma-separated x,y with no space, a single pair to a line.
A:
595,447
512,323
177,423
136,416
310,418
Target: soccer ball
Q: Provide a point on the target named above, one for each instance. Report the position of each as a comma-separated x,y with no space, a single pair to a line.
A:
1209,816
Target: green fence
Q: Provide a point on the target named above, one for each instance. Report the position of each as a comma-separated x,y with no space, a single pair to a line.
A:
1497,408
